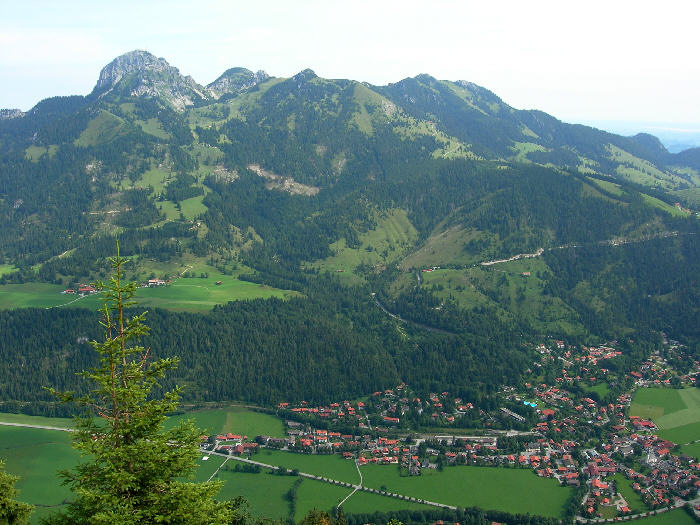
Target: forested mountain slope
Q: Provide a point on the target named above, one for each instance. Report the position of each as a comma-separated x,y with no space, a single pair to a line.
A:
292,178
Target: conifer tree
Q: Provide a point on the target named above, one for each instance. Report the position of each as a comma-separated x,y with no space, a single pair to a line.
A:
12,512
133,467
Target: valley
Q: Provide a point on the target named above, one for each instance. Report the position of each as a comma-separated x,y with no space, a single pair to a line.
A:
411,299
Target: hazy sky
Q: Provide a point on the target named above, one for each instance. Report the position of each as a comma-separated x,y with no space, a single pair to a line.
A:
579,61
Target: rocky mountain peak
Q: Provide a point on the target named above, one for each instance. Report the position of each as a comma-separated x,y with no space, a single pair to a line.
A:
149,76
10,113
235,80
133,61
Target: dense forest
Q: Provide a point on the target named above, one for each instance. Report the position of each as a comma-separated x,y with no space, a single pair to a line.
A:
274,174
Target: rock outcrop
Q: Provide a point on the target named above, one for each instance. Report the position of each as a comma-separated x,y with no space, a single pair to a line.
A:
140,73
234,81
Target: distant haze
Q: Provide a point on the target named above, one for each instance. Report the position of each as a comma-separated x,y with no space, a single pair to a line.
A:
623,60
675,136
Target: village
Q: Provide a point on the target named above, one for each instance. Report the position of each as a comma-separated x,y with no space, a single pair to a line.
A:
570,422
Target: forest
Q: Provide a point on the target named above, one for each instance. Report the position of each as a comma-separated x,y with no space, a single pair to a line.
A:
76,173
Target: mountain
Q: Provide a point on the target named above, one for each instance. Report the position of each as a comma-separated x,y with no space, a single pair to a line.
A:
340,189
235,80
11,113
139,73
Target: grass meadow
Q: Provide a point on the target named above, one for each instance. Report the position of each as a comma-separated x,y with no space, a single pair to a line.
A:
674,517
23,419
237,420
514,286
510,490
313,494
675,411
390,239
634,500
331,466
265,492
184,295
362,502
35,456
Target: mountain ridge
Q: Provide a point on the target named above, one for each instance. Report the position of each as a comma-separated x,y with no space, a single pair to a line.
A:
337,189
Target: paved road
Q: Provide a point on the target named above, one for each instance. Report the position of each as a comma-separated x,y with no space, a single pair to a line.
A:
36,426
676,505
357,487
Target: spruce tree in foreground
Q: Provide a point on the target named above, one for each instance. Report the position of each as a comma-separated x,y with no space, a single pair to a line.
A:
11,512
133,467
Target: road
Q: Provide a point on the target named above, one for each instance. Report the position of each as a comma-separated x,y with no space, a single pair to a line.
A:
36,426
405,321
356,487
608,242
629,517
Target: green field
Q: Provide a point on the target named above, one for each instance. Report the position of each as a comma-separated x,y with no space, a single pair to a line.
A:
265,492
155,178
491,488
193,207
642,171
652,403
313,494
634,500
206,468
152,126
443,248
393,235
237,420
34,153
610,187
657,203
602,389
365,502
58,422
190,295
105,127
332,466
35,456
673,517
692,450
675,412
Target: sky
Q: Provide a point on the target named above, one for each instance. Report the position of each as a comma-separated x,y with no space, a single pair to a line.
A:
593,61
